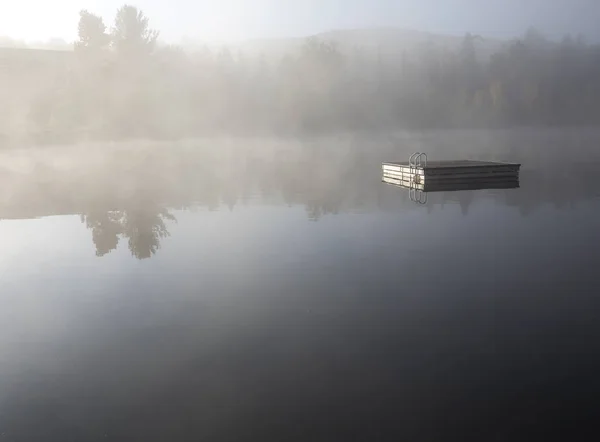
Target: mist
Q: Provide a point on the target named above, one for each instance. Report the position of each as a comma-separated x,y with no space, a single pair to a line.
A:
196,242
120,82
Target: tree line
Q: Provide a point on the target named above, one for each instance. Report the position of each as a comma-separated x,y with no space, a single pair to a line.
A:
121,83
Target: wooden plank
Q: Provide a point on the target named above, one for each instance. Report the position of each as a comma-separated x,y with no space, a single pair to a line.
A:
451,172
452,177
466,176
405,170
400,183
399,174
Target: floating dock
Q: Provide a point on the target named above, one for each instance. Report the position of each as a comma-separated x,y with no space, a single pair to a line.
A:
420,176
432,176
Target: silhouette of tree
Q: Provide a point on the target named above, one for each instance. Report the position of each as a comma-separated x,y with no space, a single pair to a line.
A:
132,35
91,32
315,76
470,70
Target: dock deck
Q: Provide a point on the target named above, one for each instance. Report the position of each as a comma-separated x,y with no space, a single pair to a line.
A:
452,164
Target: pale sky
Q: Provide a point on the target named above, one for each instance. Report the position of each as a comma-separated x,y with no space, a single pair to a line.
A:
231,20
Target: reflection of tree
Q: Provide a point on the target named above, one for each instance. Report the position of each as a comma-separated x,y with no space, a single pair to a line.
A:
317,208
105,227
465,199
143,227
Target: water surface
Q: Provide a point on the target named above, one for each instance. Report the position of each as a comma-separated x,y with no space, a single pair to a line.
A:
282,292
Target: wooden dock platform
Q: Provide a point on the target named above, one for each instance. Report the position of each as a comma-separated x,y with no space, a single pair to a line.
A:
423,174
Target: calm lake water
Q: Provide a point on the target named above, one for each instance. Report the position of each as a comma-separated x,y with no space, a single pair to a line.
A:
283,292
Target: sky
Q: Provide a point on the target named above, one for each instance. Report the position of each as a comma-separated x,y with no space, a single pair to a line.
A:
235,20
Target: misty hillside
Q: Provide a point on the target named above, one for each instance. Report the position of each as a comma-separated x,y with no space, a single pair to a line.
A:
391,40
386,41
118,84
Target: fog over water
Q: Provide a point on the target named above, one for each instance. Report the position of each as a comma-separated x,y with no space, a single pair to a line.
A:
196,242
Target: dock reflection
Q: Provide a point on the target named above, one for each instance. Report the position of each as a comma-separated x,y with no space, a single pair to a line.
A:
418,192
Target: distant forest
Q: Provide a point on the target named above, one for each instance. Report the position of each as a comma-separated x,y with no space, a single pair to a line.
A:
120,83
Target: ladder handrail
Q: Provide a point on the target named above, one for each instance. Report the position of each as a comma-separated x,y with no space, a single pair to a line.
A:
412,158
416,160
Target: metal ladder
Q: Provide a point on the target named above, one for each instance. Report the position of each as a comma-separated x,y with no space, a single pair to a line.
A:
415,161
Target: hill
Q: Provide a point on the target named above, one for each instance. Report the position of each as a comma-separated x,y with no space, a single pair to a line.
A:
386,41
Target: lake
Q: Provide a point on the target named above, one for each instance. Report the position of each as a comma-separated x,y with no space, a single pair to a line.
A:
229,290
